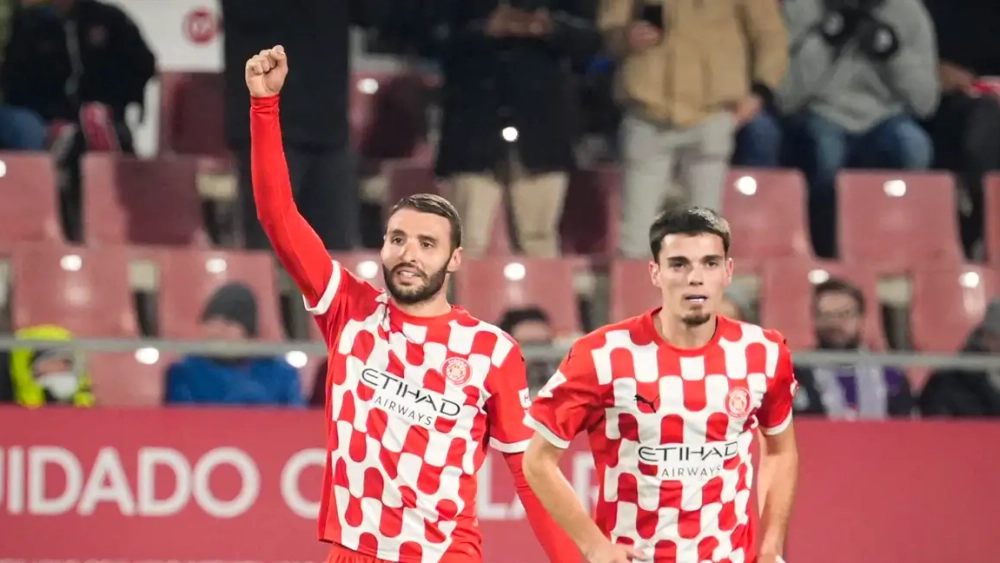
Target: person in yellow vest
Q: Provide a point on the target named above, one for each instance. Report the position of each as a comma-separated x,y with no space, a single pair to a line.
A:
47,376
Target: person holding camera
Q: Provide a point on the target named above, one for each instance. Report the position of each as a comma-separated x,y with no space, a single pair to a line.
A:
861,73
691,73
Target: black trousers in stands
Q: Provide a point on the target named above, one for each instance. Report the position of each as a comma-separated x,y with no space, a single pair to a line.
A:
325,190
966,135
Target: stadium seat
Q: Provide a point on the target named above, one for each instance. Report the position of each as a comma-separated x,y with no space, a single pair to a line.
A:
786,296
406,178
121,379
30,212
992,218
192,113
188,278
85,290
147,202
766,210
388,113
632,293
948,302
897,220
490,286
592,212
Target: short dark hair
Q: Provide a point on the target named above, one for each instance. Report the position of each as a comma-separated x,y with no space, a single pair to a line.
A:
687,221
837,285
435,205
513,317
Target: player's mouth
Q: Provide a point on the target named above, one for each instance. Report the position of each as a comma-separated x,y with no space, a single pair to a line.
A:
409,274
696,299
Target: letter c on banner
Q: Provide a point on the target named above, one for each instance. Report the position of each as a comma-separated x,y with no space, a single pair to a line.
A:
290,490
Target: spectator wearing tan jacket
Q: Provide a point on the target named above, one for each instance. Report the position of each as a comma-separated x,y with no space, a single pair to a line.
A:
691,73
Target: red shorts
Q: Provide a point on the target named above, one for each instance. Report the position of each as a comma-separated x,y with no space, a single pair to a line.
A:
340,554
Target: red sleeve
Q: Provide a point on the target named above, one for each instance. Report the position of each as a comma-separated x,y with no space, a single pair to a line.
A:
297,245
508,388
775,412
569,401
557,545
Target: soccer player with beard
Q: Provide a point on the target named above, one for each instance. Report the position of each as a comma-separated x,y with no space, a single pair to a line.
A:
416,387
671,401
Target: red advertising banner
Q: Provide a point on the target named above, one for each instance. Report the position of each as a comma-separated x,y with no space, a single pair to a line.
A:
186,485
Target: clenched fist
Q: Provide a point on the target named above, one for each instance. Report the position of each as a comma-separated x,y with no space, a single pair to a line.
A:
266,71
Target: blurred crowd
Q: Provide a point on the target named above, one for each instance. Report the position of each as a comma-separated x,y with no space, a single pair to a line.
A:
674,92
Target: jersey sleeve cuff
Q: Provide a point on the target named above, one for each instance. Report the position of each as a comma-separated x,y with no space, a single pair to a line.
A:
509,448
544,432
323,305
779,428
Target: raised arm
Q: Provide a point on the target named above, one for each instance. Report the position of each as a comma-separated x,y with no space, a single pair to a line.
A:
298,246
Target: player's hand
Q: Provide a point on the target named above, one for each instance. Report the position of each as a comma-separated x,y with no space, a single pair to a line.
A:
643,35
266,71
615,553
769,558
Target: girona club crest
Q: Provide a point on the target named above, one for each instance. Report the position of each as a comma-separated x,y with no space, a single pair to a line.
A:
457,370
738,403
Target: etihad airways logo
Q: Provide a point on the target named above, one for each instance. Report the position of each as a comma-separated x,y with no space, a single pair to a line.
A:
398,397
680,462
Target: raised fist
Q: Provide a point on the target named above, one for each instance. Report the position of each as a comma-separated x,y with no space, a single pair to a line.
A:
266,71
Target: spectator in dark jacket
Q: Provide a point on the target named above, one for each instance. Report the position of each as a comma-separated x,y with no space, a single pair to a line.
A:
64,54
231,314
953,392
862,390
507,112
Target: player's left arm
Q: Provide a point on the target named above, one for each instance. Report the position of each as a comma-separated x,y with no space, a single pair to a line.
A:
509,399
779,465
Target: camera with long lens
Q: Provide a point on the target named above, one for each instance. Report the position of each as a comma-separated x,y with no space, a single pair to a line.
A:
846,20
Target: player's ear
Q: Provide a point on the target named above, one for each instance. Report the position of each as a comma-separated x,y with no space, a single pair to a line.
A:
654,273
729,270
455,262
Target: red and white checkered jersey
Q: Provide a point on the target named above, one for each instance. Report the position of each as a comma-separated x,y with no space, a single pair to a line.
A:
411,404
670,431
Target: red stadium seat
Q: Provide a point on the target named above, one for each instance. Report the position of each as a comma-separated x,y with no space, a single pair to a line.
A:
767,211
84,290
122,380
189,278
488,287
388,113
592,212
406,178
192,113
992,218
786,295
897,220
127,200
948,302
632,293
31,209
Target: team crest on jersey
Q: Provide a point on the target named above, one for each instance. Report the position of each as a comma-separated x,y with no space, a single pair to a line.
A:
738,403
457,370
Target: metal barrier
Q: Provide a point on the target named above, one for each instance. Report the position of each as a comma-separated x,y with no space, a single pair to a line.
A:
552,353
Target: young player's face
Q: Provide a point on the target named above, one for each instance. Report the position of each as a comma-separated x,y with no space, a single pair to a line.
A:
692,271
417,256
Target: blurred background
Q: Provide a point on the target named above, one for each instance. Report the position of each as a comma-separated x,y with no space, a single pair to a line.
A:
854,146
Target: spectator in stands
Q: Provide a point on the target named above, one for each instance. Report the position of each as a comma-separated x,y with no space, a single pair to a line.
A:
314,112
86,77
506,121
862,390
954,392
691,74
734,304
966,127
231,315
47,377
859,77
530,326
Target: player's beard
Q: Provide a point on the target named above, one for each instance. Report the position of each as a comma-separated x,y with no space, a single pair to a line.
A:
415,294
696,319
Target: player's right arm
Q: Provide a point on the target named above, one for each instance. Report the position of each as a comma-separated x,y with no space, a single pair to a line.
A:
567,405
297,245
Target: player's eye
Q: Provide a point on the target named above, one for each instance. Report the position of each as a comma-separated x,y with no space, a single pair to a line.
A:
427,244
397,240
713,263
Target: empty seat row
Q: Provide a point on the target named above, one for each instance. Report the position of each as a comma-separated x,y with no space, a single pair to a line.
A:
88,292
